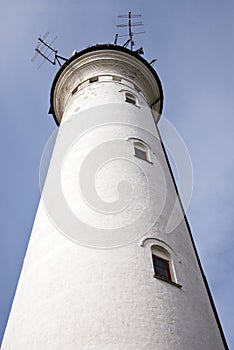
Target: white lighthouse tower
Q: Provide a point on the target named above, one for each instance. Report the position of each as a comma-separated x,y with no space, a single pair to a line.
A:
110,265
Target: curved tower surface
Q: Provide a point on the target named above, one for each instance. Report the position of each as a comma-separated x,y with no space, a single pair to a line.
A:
111,262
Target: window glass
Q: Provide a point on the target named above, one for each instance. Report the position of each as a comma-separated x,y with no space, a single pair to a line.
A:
139,153
130,98
161,267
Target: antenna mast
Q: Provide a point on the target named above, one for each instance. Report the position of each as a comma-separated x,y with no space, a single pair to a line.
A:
130,24
46,50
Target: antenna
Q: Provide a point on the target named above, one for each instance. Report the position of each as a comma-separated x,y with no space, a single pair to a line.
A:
130,24
116,38
153,61
46,50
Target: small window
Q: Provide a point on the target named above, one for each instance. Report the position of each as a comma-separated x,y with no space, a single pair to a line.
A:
93,80
116,78
161,268
75,90
130,98
140,154
141,151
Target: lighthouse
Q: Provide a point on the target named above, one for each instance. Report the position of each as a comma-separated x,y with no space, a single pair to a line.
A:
111,263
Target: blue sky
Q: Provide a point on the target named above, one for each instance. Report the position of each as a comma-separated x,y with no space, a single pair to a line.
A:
194,44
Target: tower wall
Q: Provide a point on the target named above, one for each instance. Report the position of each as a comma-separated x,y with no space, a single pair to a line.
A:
88,278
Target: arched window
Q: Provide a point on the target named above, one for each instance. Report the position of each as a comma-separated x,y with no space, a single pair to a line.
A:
141,151
162,263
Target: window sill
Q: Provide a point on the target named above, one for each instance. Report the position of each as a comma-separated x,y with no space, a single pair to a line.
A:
145,160
133,104
170,282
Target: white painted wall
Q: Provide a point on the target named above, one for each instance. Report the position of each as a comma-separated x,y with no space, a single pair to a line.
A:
74,296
